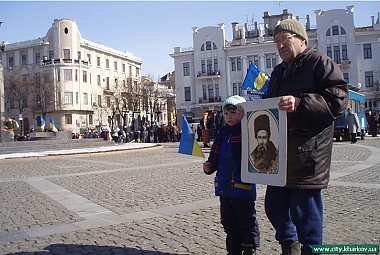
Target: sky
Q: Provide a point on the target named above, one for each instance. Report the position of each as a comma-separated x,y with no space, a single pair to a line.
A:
151,29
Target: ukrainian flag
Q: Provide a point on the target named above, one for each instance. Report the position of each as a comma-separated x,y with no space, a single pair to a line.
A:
42,123
188,144
256,81
52,125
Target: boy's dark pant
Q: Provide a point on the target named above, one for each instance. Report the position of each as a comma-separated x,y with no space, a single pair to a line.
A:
296,214
238,218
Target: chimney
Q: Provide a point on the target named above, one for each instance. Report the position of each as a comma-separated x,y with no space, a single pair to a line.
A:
373,20
235,30
307,22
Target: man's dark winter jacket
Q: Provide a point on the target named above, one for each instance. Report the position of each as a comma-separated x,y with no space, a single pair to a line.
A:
322,95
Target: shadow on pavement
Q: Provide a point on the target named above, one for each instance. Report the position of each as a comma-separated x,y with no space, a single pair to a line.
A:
67,249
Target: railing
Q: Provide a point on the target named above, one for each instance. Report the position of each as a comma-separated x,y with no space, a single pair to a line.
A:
208,74
203,100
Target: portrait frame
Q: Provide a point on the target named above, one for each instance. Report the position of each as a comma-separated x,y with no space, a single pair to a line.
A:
273,172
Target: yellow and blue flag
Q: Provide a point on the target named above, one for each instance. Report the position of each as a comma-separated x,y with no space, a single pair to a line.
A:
188,144
52,125
256,81
42,123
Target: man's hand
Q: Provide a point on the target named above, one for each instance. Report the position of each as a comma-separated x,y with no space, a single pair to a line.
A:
207,167
288,103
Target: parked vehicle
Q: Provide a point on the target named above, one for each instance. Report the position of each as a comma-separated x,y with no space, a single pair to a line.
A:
356,103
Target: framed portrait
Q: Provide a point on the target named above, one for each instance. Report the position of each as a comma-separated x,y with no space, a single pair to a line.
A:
264,141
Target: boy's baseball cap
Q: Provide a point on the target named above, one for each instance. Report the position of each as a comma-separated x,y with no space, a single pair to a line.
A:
233,100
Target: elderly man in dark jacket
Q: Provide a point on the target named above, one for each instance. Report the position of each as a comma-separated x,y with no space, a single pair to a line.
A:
313,92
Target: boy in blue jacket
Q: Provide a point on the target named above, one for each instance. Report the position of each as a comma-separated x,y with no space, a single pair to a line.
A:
237,199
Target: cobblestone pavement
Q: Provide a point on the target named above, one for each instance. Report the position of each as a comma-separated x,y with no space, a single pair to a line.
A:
156,201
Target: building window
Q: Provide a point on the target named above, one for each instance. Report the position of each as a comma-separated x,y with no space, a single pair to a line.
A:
107,83
233,64
337,54
115,65
216,67
238,64
187,94
137,71
346,78
84,76
90,119
329,52
203,66
79,55
77,97
208,45
130,70
10,62
216,90
335,30
210,91
274,60
256,60
68,98
66,53
369,79
85,98
99,100
186,69
98,61
51,54
23,60
209,66
344,52
108,102
67,74
38,58
268,60
76,75
107,63
123,68
367,50
89,58
68,119
204,92
98,80
236,88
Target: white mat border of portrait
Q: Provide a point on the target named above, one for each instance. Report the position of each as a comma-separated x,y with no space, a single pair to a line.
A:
250,107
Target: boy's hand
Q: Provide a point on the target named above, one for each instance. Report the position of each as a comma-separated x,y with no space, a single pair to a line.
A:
207,167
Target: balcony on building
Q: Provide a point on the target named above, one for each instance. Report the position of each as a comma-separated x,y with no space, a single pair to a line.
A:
209,74
345,63
203,100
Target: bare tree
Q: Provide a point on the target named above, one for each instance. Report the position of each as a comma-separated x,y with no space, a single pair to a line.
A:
17,88
43,91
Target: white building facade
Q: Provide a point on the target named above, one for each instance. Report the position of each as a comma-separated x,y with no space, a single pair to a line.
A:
214,68
87,80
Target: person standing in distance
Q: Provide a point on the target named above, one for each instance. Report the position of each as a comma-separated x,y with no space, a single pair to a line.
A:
313,92
352,122
237,199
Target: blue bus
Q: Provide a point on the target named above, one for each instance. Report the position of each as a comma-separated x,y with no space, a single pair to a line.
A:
356,103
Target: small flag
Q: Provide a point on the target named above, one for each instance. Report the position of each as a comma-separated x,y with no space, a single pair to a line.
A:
42,123
188,144
256,81
52,125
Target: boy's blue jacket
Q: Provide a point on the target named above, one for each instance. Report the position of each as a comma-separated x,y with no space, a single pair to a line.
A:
225,159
